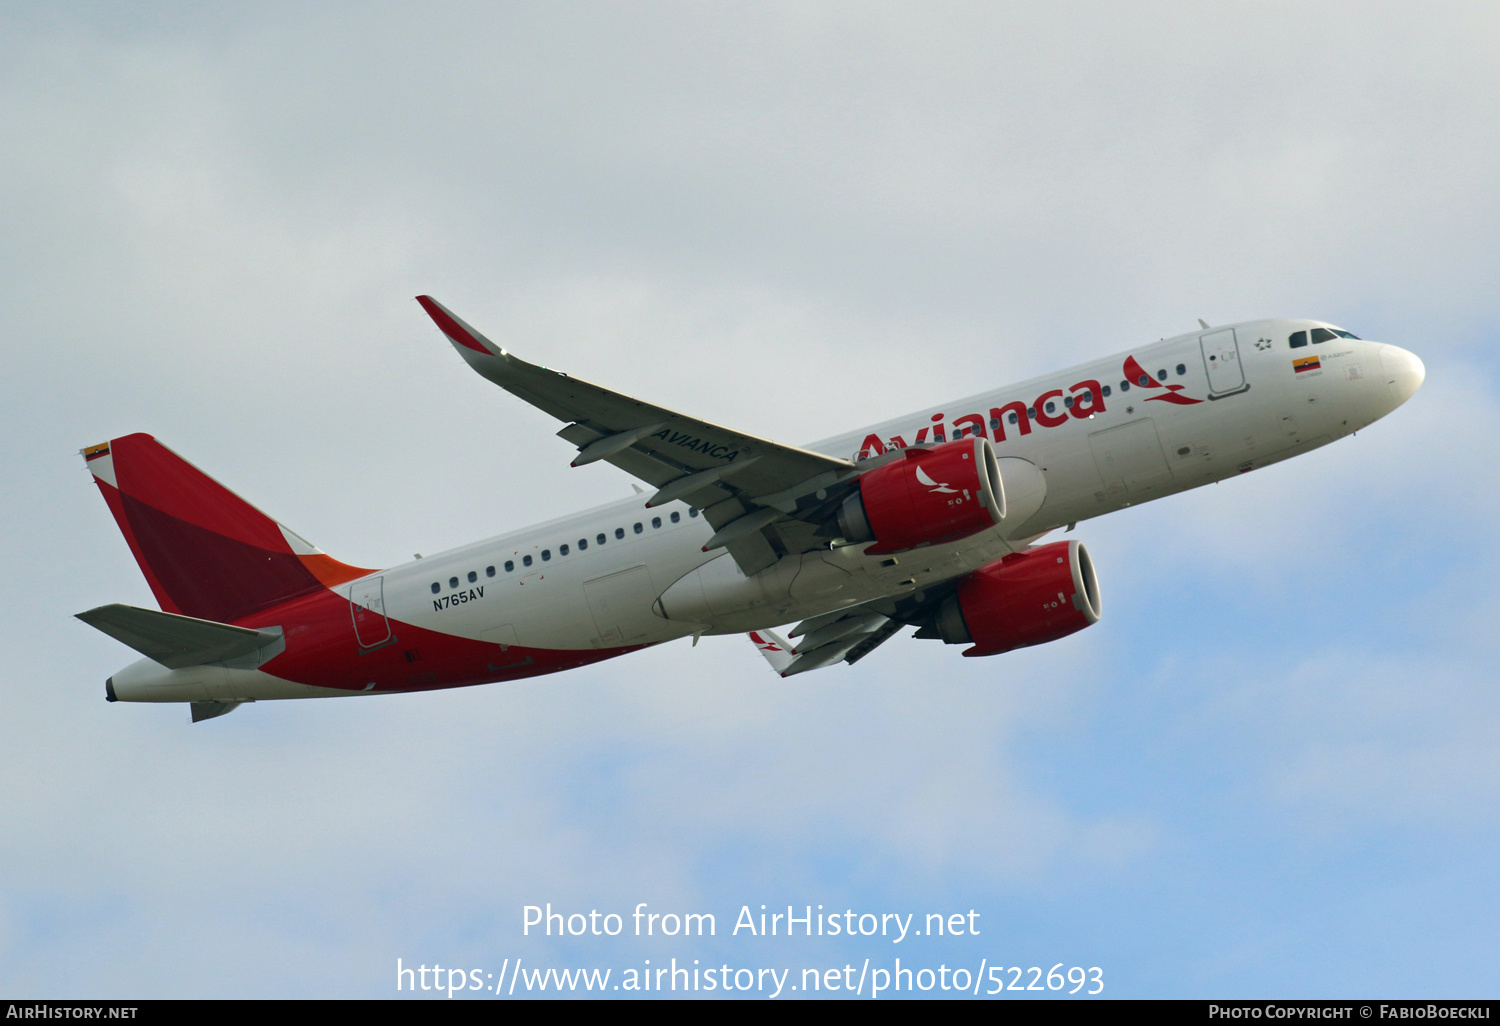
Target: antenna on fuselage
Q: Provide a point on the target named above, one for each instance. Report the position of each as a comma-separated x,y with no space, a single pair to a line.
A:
1204,323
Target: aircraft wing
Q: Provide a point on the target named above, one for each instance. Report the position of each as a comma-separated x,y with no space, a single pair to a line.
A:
847,635
763,499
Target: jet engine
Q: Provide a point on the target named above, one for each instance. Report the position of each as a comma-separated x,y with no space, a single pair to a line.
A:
926,497
1028,598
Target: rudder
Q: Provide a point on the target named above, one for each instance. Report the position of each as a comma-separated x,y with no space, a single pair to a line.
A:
205,551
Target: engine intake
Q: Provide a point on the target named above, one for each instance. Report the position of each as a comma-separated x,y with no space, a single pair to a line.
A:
1028,598
928,497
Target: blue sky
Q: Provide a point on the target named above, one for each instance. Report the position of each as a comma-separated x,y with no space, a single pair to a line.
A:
1268,771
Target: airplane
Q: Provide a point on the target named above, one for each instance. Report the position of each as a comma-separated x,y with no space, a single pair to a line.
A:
932,520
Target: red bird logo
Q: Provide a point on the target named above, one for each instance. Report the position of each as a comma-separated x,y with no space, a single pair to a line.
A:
1136,375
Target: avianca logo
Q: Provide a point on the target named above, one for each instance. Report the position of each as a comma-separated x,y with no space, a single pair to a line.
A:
1135,374
932,485
1050,409
764,643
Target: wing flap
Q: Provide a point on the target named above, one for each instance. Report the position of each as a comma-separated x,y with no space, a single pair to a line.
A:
753,553
847,636
869,642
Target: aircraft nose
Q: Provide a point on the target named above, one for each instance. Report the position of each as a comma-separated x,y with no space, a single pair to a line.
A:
1404,372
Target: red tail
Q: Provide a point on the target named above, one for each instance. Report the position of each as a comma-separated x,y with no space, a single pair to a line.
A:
205,551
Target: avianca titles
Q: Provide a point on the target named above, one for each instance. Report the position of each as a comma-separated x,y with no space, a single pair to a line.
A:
933,520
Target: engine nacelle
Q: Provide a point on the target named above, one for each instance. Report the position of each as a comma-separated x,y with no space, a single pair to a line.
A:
928,497
1028,598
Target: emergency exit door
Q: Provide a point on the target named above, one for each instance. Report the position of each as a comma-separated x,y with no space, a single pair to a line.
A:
1221,357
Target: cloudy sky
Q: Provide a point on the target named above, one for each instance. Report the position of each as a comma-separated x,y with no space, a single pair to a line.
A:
1270,770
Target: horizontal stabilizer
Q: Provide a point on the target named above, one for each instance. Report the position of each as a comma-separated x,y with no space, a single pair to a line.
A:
176,641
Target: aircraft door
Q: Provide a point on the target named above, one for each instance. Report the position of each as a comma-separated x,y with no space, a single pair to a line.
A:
1221,357
367,608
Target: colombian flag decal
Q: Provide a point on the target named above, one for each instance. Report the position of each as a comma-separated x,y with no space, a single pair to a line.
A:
1306,363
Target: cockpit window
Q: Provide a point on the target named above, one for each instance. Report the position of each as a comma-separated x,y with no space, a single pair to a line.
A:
1297,340
1341,333
1322,335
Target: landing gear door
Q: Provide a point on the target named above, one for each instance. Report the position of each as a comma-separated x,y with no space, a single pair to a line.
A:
367,607
1221,358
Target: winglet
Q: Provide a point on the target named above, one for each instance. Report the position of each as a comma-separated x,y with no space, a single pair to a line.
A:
459,333
775,648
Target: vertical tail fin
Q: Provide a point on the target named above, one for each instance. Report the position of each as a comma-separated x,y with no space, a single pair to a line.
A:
205,551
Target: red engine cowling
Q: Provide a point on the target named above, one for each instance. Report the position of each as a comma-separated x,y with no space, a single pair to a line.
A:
927,497
1028,598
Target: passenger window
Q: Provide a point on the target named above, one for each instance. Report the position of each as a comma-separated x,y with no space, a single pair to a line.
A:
1051,406
583,543
510,566
489,571
526,560
1145,380
1297,340
562,550
1105,390
656,521
1031,412
453,582
994,423
546,555
693,512
1161,375
599,539
1181,369
619,532
436,587
1124,386
1322,335
676,516
1014,419
638,527
1068,401
473,577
